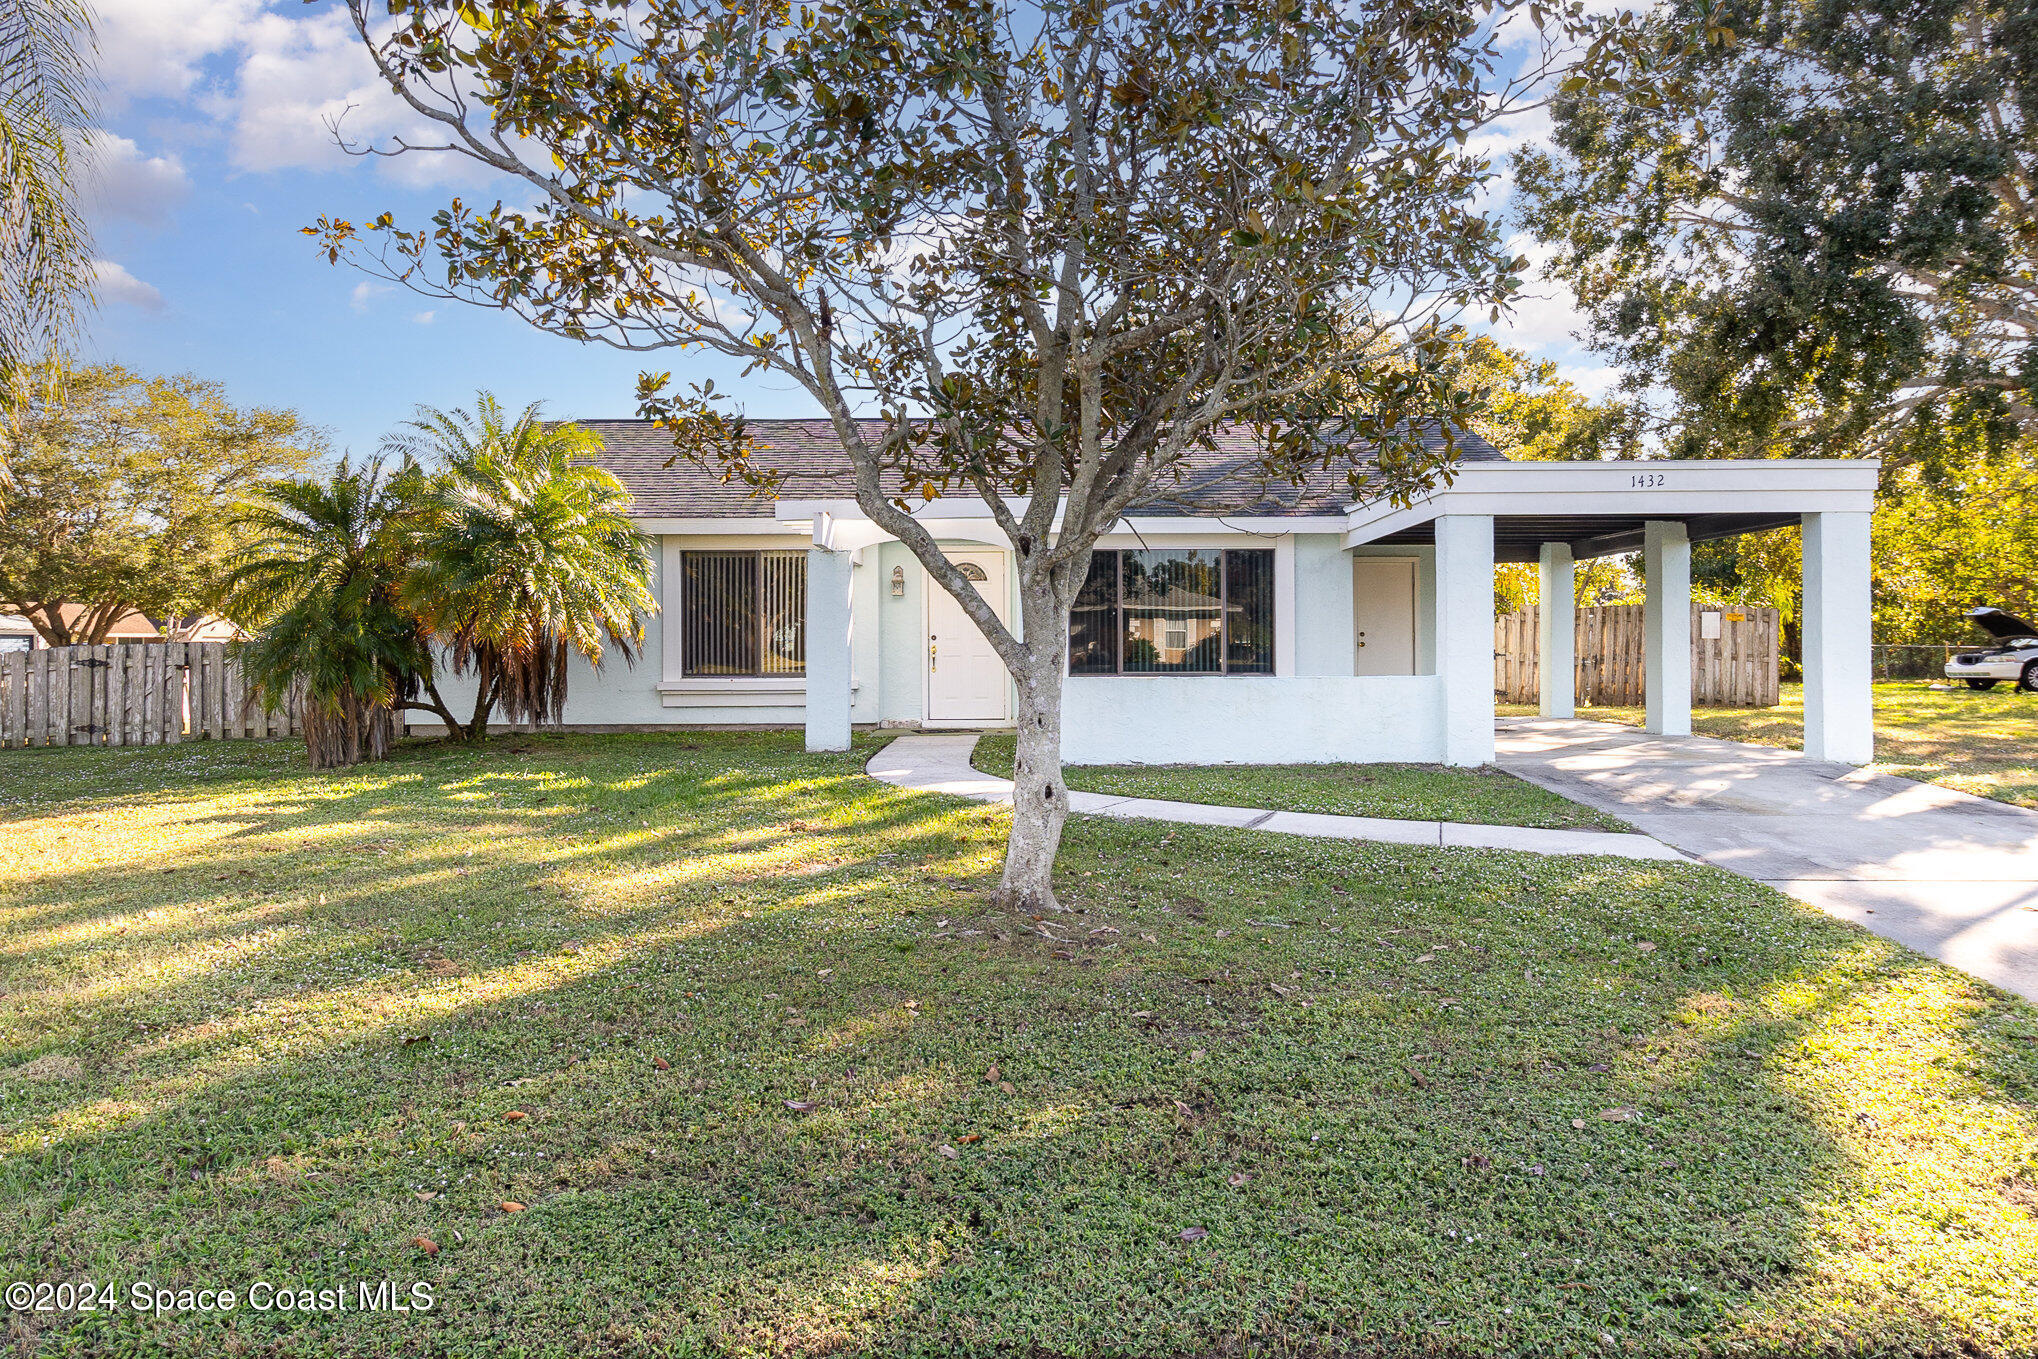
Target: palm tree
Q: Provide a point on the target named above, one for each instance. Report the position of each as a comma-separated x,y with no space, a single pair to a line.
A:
317,584
47,97
523,554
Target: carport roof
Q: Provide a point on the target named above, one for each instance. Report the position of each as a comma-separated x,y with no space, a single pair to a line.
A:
1599,508
1519,537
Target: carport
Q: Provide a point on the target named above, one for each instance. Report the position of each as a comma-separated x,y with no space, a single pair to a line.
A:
1559,513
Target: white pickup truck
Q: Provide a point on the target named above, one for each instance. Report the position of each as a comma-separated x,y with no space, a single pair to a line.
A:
2013,657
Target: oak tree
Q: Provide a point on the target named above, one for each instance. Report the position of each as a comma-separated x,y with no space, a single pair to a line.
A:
123,495
1818,232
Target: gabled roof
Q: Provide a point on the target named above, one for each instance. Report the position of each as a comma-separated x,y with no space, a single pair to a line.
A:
1215,481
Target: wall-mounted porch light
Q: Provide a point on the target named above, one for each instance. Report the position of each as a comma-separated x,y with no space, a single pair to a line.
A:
898,582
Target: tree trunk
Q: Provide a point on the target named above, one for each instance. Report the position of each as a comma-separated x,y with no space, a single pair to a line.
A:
1040,801
351,733
439,706
485,683
48,621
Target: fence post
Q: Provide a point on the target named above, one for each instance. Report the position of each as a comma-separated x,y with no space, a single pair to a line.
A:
102,694
74,695
238,719
116,697
176,699
14,716
145,702
206,720
223,724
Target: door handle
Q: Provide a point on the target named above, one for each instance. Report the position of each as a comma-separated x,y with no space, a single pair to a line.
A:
932,653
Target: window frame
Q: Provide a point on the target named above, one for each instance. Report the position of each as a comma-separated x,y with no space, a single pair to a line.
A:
1223,670
759,615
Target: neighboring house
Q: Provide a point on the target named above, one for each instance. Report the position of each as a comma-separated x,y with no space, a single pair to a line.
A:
18,634
1304,629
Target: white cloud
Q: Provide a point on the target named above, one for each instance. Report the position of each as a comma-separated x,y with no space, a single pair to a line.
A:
271,80
366,291
1593,380
297,77
125,181
114,283
1545,315
1499,140
159,47
425,318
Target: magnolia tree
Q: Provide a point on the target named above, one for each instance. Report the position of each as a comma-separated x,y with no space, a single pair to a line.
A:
1053,248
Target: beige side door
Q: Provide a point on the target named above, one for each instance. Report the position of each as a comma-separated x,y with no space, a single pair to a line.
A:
1383,615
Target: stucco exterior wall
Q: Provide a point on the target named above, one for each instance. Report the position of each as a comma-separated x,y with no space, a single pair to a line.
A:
1319,712
623,695
616,695
1260,719
866,636
1425,610
900,634
1323,605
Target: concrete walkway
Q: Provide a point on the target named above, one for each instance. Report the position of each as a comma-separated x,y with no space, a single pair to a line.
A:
1950,875
939,763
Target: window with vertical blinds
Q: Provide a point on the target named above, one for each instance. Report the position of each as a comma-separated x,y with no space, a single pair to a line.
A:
1197,611
743,613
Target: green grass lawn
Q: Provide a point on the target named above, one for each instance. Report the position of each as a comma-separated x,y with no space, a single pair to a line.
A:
1414,792
789,1085
1980,743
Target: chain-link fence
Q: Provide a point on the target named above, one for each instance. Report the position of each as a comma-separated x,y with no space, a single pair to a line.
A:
1914,661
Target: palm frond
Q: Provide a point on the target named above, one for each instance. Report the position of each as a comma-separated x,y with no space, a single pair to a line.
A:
317,586
48,96
529,555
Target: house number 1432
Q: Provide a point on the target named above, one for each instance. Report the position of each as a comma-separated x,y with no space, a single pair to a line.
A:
1646,480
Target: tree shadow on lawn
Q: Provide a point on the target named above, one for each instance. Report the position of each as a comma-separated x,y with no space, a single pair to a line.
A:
1415,1101
369,838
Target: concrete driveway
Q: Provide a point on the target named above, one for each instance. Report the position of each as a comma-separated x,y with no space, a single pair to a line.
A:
1951,875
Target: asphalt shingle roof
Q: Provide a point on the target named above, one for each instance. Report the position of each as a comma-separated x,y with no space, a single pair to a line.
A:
1219,480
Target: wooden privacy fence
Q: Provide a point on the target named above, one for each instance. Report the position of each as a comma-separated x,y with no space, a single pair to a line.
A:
131,694
1735,667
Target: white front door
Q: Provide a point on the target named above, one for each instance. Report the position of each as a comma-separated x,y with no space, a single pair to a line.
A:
966,682
1383,615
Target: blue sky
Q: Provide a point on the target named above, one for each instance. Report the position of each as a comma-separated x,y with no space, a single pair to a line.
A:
215,154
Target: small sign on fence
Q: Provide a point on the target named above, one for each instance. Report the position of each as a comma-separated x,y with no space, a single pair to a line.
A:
131,694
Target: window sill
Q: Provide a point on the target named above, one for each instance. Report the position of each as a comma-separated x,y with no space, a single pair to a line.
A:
736,691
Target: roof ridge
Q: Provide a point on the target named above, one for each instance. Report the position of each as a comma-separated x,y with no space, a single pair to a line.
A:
1212,481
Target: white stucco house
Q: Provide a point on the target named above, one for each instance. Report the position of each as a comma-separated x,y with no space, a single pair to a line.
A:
1309,629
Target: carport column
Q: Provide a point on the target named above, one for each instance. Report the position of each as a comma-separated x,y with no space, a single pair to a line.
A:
1666,621
828,575
1556,580
1464,635
1839,706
